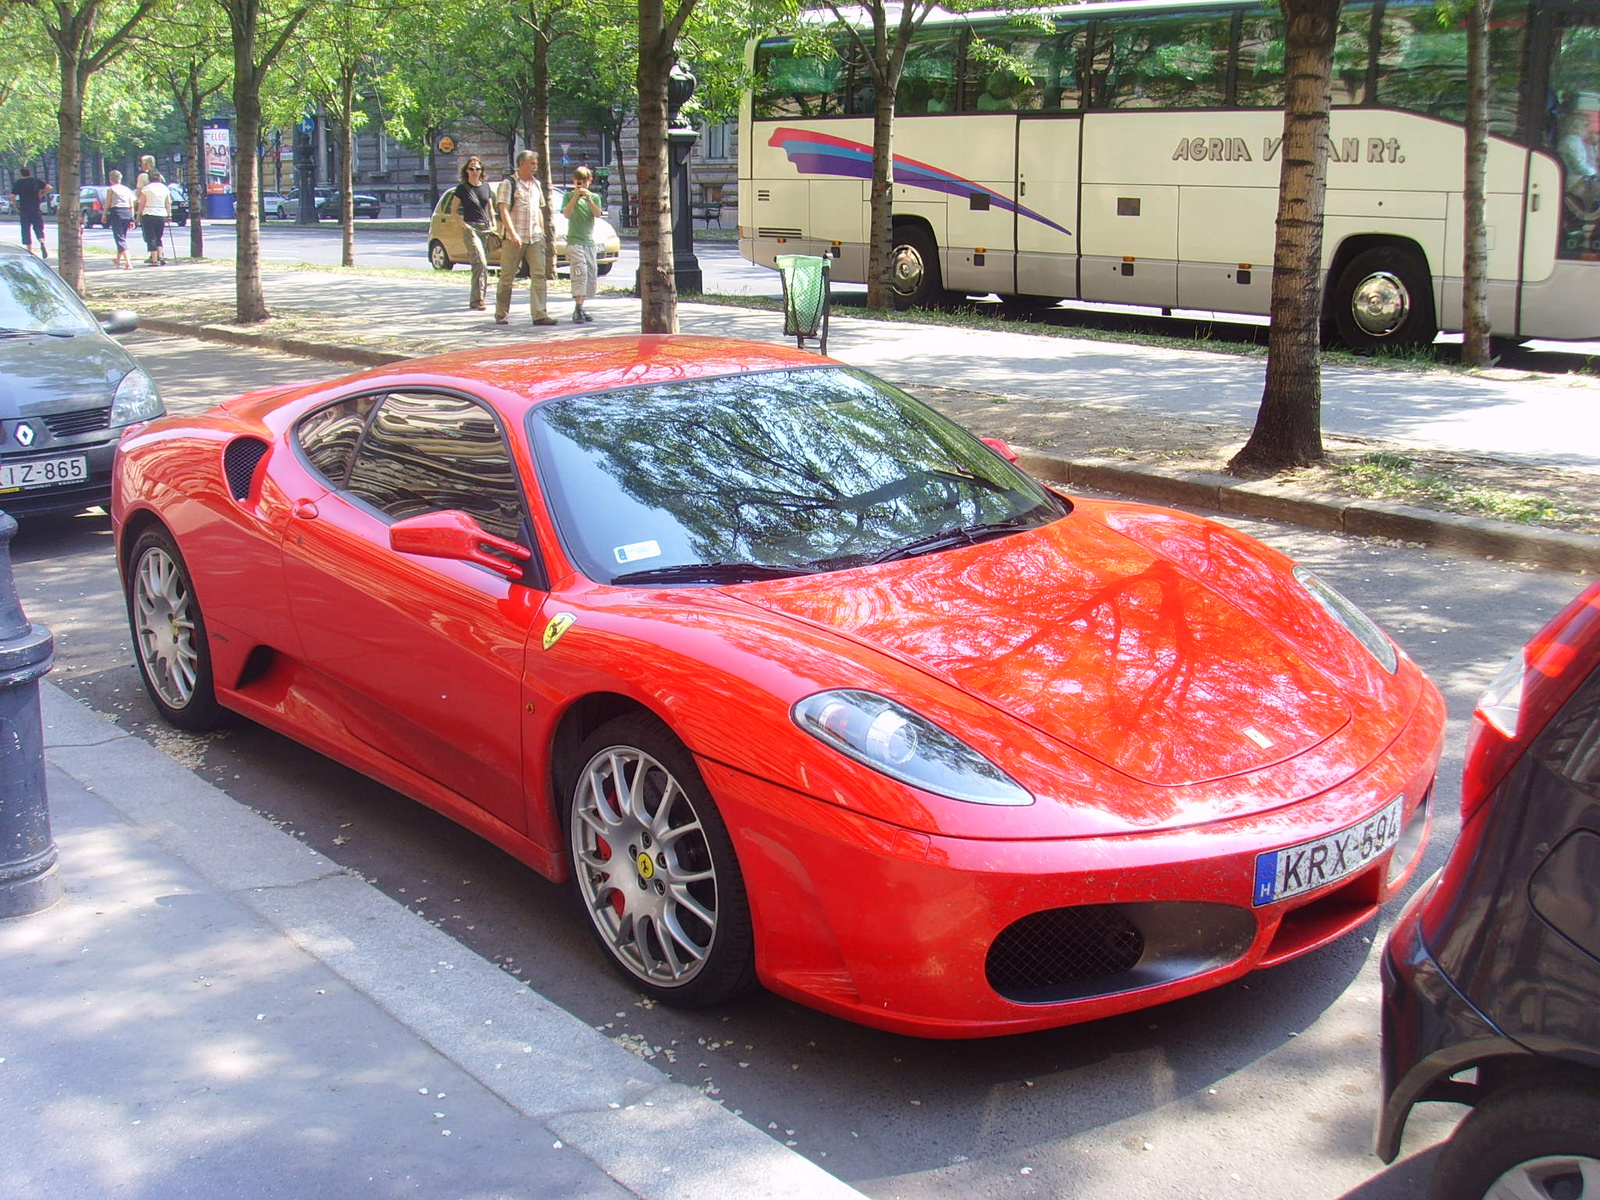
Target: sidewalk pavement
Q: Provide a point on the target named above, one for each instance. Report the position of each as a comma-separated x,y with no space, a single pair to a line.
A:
216,1010
1028,389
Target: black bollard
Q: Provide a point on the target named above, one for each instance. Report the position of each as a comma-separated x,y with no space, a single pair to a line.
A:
29,879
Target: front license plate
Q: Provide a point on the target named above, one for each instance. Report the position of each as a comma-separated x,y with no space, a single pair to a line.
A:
43,472
1281,874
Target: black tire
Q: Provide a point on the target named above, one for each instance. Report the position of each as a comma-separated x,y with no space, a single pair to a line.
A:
170,642
623,891
439,257
915,279
604,268
1536,1133
1384,298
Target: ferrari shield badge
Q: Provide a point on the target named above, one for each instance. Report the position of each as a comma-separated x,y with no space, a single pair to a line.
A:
559,624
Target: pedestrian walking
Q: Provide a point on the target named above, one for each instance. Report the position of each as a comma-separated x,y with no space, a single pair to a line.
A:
520,203
27,196
120,202
147,163
475,206
581,209
154,207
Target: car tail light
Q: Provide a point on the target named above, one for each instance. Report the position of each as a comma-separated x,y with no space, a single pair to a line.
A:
1527,693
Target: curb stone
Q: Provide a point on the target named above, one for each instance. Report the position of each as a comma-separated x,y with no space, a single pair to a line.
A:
1478,536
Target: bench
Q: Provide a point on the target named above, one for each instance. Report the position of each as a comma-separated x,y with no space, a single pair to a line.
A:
707,213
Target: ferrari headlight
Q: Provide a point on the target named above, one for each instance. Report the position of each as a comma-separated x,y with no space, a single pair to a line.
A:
136,399
895,741
1352,618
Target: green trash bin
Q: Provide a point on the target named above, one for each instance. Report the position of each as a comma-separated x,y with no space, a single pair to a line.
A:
805,298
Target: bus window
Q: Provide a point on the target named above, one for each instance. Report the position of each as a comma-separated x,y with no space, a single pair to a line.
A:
795,84
1352,55
1572,131
1177,60
1261,54
1028,69
928,81
1422,64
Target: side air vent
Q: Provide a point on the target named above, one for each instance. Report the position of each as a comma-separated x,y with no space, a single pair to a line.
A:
766,231
239,462
763,194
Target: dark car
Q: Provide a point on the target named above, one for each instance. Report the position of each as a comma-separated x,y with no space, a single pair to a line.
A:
1491,978
364,205
67,391
92,205
180,203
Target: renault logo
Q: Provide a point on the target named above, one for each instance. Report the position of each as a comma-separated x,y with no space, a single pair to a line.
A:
24,434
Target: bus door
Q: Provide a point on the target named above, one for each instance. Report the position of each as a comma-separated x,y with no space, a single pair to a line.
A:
975,173
1047,205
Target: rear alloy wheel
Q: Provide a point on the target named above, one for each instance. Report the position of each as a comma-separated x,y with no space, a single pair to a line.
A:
654,868
1384,297
914,276
438,256
1527,1143
169,634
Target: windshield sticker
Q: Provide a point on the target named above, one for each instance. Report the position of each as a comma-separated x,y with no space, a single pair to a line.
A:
636,551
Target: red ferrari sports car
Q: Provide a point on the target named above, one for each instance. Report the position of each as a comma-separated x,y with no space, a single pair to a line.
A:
794,679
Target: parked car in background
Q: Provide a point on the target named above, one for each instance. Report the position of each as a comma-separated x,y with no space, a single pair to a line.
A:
92,206
1491,977
277,206
362,205
180,203
5,206
447,242
67,391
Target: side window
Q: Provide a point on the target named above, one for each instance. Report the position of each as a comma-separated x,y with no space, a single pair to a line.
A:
1570,744
1261,58
1165,61
928,80
1422,64
1023,69
328,436
426,452
796,83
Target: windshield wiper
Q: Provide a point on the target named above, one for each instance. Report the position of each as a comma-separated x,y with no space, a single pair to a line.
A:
717,572
961,535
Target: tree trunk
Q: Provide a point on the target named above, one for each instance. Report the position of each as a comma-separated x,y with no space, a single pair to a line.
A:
539,139
347,169
69,122
197,177
249,303
880,241
658,297
1288,429
1475,262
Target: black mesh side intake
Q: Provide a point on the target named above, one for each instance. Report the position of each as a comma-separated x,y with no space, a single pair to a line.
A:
85,420
239,462
1062,946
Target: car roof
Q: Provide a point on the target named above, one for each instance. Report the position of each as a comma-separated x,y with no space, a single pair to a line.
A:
536,372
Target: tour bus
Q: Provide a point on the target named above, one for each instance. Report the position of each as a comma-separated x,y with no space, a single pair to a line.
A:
1133,158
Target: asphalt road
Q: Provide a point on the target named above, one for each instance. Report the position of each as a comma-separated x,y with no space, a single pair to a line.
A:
1261,1089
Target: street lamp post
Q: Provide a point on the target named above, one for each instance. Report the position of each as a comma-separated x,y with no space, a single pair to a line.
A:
681,137
29,879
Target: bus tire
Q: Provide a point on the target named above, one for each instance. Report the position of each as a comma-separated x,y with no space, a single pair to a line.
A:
1384,298
915,280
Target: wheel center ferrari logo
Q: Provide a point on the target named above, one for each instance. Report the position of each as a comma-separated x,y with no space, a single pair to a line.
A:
25,434
646,868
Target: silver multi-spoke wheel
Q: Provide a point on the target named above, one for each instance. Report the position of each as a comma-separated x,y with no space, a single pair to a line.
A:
164,627
1553,1177
646,871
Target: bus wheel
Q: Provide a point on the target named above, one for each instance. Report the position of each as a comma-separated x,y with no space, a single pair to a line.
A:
914,269
1384,298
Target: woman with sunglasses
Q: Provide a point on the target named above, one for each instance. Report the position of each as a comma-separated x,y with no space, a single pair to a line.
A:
475,207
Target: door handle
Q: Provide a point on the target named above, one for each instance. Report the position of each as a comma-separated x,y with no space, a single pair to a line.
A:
306,510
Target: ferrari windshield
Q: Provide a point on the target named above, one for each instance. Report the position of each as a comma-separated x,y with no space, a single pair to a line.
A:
34,300
776,473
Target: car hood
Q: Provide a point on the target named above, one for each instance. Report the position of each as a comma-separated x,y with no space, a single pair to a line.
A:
1093,639
45,374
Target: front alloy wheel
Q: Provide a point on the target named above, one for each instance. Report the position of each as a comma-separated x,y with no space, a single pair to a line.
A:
169,634
438,256
654,867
